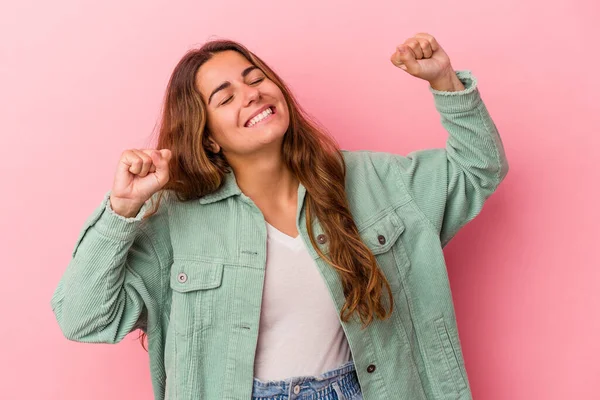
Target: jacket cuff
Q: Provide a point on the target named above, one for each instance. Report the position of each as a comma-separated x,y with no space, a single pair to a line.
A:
117,226
461,100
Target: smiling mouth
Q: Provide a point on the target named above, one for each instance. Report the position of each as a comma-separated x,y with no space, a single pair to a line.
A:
262,117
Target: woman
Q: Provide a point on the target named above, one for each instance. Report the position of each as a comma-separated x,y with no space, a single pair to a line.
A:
273,265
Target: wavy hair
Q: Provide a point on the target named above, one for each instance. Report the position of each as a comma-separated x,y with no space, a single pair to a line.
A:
310,153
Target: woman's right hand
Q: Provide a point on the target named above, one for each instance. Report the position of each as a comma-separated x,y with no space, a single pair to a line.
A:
140,174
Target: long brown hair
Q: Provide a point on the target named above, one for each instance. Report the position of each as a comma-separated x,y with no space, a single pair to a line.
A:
308,151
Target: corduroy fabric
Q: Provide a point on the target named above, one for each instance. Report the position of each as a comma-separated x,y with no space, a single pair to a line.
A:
191,276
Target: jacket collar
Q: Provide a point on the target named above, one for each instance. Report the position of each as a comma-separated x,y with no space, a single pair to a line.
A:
230,188
227,189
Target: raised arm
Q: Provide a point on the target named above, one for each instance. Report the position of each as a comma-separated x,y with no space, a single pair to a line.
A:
112,284
450,185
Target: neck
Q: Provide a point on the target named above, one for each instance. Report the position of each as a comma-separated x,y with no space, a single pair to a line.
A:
266,179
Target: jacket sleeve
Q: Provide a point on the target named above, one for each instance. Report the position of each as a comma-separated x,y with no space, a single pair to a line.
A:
113,281
450,185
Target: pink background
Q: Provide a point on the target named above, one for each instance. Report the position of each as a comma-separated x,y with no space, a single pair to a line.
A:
82,82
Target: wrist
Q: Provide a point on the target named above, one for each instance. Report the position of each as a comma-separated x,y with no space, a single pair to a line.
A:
448,83
124,208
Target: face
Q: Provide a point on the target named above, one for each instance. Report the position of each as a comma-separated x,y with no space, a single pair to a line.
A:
247,112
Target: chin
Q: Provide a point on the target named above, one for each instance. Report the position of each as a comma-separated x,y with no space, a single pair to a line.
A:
273,135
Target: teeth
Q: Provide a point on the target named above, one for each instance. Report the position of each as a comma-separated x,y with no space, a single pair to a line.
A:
260,117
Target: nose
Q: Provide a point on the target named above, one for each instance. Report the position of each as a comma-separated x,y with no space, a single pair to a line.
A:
250,94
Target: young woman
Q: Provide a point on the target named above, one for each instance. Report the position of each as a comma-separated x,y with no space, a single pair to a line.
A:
273,265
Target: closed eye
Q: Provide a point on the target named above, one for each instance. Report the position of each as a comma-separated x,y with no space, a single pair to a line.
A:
228,100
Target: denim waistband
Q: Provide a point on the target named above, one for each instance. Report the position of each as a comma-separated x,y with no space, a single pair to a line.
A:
339,383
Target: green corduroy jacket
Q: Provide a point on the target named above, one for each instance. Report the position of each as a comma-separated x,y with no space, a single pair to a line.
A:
192,275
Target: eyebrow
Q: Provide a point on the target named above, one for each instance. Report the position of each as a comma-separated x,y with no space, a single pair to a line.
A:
226,84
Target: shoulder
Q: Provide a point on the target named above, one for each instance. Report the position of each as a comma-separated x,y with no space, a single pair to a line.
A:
373,182
369,163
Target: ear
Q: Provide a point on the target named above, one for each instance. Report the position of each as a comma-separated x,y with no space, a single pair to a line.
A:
214,146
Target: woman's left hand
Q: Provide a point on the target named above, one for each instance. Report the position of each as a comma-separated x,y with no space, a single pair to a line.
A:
422,57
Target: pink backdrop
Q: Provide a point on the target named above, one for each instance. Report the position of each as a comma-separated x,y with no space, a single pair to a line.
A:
82,82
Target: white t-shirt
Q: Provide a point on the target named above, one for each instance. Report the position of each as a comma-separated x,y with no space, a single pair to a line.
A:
300,332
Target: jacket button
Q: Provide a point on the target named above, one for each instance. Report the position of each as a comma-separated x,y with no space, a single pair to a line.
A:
182,277
381,239
371,368
321,238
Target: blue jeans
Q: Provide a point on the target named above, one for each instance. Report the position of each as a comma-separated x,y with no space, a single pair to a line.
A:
340,383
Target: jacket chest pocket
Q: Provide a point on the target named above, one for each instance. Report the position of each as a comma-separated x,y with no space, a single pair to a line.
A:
383,237
194,284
